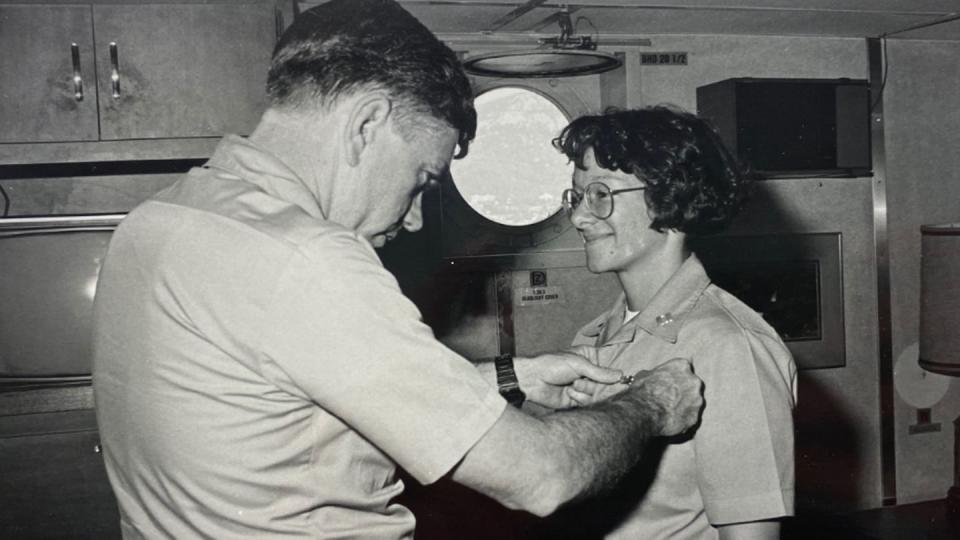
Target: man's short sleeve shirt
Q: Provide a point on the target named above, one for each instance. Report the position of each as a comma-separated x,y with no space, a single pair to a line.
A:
258,372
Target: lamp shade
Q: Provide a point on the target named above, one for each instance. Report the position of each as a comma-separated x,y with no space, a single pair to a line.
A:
940,299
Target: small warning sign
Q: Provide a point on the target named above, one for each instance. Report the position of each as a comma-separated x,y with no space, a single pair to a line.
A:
540,295
663,59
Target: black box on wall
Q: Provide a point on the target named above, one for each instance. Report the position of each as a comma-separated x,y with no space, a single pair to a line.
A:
793,127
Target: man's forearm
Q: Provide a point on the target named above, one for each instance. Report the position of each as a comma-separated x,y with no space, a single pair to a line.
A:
603,441
538,464
599,443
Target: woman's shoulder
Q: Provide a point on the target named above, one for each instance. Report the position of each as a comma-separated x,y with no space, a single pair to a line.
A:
723,314
726,334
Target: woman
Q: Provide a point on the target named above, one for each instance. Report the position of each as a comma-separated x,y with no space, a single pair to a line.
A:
644,181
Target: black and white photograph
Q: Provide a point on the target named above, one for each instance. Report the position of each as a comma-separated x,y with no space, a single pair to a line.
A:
480,269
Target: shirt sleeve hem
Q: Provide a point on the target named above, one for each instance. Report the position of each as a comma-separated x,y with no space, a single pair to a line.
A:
475,426
758,507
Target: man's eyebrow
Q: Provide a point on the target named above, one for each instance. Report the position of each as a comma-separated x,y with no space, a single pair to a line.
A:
444,176
434,180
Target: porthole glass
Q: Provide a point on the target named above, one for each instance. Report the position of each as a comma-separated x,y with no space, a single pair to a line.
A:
512,174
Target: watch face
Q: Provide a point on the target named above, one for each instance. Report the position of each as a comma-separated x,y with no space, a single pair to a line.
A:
513,395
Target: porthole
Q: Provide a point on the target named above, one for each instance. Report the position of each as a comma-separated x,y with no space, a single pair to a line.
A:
512,175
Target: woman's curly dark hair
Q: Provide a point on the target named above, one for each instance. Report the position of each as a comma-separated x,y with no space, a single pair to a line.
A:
693,183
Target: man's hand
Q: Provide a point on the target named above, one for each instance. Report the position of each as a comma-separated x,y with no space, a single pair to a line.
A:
676,391
548,379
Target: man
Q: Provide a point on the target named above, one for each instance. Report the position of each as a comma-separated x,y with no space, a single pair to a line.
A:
258,372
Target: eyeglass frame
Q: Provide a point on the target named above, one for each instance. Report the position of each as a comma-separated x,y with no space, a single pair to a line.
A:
581,195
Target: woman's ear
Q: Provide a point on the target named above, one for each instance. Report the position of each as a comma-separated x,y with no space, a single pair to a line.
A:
367,117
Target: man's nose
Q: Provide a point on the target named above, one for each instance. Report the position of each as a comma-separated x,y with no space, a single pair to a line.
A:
413,219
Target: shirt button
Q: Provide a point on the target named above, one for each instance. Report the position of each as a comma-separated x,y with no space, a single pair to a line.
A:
665,319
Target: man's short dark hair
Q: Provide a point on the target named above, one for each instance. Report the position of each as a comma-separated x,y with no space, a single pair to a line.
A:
344,45
693,183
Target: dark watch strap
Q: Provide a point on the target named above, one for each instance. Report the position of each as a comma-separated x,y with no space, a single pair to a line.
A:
507,380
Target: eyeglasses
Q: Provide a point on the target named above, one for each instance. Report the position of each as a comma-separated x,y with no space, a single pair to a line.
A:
599,199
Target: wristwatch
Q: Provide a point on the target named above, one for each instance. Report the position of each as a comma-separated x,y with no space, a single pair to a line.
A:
507,380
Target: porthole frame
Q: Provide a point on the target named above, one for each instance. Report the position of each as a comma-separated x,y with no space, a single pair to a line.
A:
500,235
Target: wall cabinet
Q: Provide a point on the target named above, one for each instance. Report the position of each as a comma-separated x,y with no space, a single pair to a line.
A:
132,82
112,72
37,99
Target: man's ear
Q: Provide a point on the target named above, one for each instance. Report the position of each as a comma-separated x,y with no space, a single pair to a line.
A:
367,118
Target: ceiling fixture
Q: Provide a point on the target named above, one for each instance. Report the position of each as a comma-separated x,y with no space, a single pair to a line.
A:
566,55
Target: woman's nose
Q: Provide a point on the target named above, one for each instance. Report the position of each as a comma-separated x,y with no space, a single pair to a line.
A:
581,216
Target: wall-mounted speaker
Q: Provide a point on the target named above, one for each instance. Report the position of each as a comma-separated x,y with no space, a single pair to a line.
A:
792,127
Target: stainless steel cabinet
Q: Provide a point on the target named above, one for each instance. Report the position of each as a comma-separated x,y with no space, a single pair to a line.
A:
38,100
132,71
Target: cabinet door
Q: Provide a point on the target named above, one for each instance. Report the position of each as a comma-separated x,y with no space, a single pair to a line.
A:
38,101
185,70
54,485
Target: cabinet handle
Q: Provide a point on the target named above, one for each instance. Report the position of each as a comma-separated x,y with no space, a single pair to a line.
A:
114,70
77,75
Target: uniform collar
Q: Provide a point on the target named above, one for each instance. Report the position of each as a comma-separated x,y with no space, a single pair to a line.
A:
664,315
240,157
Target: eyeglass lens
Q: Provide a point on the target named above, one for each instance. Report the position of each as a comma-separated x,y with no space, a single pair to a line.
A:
598,196
599,200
